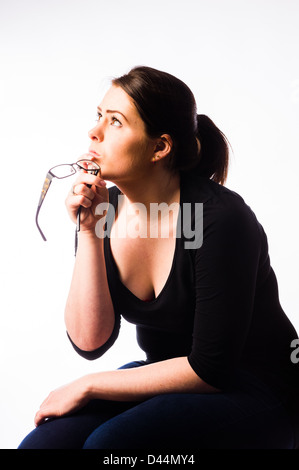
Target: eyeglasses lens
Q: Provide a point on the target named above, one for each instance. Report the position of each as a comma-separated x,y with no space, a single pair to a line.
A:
88,165
62,171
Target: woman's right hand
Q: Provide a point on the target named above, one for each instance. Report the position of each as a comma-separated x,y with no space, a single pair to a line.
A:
87,198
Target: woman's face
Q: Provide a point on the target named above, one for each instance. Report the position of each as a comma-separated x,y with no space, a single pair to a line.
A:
119,143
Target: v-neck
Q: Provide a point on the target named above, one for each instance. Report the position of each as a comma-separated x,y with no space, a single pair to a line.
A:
126,290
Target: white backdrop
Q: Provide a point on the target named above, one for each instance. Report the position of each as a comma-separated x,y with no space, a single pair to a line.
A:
240,58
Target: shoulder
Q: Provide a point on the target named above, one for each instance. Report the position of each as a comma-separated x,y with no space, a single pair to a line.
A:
219,202
227,220
200,189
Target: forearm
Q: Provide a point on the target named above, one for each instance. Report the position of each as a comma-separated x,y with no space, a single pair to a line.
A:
89,314
140,383
169,376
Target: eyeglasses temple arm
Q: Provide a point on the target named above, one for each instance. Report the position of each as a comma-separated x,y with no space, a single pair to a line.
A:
46,185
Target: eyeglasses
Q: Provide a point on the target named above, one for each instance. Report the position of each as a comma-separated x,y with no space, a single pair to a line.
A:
60,172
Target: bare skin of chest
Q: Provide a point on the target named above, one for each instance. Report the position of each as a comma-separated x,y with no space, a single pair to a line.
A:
144,263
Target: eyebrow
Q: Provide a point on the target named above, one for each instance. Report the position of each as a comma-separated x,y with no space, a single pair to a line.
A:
112,111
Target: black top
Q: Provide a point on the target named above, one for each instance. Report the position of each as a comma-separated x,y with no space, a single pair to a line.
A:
219,305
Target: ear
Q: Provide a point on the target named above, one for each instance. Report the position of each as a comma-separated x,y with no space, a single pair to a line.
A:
163,147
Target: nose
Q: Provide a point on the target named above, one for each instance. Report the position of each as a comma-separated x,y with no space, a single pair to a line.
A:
96,133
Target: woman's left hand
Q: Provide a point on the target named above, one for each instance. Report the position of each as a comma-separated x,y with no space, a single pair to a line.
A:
64,400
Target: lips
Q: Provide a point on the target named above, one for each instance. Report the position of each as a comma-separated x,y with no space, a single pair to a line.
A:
93,153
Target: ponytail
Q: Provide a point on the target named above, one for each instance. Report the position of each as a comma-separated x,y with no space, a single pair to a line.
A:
214,150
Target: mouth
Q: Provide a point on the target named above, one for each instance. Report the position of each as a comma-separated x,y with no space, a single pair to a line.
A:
93,153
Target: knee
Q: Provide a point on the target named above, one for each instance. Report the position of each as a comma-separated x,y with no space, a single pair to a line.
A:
32,441
102,439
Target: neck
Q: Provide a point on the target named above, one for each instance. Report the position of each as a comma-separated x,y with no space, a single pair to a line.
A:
155,187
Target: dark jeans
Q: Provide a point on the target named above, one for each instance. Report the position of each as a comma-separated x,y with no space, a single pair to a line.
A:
248,417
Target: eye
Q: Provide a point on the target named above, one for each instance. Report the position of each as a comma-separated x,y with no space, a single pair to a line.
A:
116,122
98,116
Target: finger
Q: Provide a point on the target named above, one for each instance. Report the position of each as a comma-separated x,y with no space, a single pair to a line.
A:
83,190
80,201
41,417
74,202
88,178
38,419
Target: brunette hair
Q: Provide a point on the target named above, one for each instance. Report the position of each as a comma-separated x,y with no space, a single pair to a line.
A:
167,106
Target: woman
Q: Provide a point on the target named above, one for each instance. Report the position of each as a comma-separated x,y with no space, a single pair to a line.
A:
217,372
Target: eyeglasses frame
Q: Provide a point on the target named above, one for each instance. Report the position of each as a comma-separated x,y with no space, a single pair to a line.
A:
48,180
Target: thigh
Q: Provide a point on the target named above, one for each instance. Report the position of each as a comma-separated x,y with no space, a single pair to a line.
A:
235,420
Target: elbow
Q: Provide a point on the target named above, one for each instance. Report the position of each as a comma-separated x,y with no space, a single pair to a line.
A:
202,385
86,343
86,352
96,350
